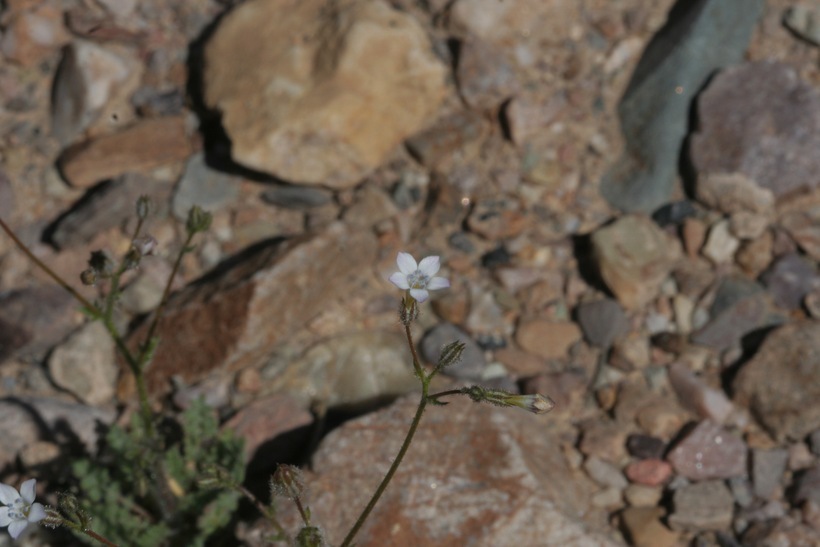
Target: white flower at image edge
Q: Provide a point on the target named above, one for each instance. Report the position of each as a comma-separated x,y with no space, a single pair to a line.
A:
418,278
20,508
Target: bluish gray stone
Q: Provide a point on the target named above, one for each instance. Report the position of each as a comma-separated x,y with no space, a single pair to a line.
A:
700,37
203,186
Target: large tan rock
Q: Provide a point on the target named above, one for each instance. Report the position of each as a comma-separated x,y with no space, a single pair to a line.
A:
235,316
319,93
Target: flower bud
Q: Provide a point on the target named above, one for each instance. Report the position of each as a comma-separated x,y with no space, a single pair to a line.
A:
102,265
536,403
198,220
88,277
451,354
68,503
310,536
287,481
145,245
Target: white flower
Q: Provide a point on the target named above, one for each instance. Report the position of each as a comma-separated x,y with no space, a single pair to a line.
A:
418,278
20,507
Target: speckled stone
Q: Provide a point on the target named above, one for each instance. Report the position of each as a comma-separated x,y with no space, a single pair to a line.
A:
709,452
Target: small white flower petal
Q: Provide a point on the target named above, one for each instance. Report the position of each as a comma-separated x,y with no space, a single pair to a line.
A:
8,494
5,519
27,491
16,528
420,295
37,512
400,280
438,283
429,265
406,262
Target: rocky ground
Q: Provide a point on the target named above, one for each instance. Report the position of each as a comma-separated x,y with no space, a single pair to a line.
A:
623,231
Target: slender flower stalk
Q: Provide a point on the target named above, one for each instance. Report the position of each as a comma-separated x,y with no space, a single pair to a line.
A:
416,279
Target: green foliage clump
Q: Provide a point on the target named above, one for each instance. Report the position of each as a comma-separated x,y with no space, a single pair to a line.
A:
144,495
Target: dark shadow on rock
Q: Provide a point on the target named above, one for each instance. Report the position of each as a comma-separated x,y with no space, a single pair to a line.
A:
749,345
587,267
90,195
216,143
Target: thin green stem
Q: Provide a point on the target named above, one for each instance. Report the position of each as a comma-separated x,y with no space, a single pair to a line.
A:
425,386
437,396
163,302
302,512
416,361
57,279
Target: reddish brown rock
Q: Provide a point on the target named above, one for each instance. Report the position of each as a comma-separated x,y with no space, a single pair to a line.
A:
146,145
234,316
649,472
468,478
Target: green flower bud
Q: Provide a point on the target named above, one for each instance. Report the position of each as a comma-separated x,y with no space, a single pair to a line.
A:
451,354
198,220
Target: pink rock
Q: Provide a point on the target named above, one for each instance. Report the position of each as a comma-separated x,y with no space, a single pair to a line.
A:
472,476
650,472
709,452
